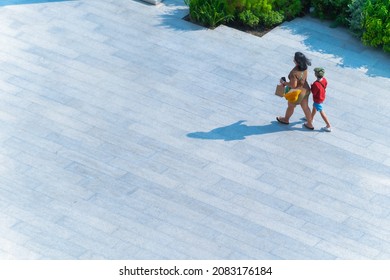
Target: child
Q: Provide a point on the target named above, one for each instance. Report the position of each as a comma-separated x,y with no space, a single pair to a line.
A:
318,88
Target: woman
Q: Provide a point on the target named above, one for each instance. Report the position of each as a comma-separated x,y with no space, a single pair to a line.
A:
298,79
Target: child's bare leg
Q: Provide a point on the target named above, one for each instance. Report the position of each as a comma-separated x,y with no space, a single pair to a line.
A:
325,118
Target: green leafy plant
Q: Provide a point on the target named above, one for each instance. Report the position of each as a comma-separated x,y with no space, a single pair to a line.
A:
263,5
258,9
209,13
271,18
306,4
255,6
248,18
290,9
356,17
376,24
251,13
332,9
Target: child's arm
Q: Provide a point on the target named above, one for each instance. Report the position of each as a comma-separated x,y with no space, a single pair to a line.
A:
314,89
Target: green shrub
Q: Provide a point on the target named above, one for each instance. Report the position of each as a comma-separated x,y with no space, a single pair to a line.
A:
290,9
255,6
376,25
306,4
271,18
248,18
332,9
356,18
254,12
209,13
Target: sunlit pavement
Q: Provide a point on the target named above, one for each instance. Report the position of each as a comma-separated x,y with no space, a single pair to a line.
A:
129,133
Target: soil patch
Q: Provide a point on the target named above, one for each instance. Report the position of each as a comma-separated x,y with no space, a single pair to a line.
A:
257,31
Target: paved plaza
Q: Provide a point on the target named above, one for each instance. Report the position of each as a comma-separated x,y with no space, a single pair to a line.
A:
127,132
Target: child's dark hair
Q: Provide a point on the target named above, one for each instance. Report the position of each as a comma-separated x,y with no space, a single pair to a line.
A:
302,61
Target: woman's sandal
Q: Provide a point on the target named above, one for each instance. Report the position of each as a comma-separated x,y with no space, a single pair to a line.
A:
279,120
308,127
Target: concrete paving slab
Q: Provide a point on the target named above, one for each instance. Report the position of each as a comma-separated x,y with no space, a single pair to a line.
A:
127,132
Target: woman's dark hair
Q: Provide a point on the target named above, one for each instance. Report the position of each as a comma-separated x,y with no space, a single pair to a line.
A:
302,61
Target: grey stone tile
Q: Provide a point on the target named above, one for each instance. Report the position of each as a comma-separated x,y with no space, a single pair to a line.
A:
341,245
149,137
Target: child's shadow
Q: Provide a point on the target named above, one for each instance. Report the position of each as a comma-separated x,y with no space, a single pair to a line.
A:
238,131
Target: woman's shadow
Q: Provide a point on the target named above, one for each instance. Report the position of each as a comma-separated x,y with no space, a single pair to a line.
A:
239,130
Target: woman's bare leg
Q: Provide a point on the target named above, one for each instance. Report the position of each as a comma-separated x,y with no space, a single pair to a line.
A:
306,110
313,113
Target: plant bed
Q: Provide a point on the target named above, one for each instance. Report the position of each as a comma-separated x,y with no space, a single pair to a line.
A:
257,31
256,17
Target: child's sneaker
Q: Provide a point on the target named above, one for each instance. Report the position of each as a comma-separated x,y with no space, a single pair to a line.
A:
327,129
